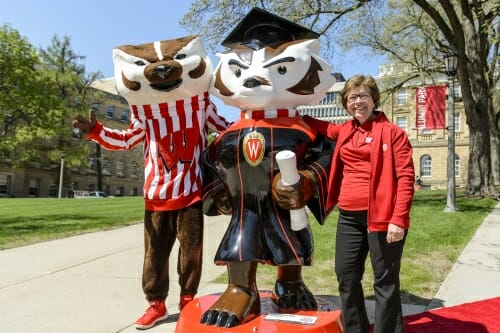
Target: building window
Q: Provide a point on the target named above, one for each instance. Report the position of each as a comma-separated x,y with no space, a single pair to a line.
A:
425,166
134,191
95,106
457,166
110,111
402,123
34,187
134,169
120,168
53,190
106,166
457,122
329,99
457,91
119,191
124,116
401,97
4,185
92,163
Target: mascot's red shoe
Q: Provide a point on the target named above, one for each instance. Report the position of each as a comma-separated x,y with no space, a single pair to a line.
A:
156,312
185,299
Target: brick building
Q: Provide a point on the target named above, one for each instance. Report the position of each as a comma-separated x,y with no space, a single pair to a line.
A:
430,146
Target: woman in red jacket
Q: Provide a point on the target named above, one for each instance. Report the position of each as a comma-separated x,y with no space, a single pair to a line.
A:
371,182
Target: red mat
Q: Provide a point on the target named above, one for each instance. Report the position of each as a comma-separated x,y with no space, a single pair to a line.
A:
476,317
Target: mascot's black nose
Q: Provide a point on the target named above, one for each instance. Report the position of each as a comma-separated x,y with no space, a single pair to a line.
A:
251,82
162,71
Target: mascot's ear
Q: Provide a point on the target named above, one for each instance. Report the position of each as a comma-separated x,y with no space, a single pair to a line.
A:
311,44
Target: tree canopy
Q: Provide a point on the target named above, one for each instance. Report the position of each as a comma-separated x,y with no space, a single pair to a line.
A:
39,92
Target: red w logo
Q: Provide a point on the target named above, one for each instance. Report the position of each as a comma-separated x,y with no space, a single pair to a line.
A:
254,148
178,147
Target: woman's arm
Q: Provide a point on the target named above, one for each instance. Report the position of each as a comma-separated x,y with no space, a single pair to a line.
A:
328,129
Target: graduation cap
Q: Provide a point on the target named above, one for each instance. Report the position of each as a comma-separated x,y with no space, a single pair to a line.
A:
260,28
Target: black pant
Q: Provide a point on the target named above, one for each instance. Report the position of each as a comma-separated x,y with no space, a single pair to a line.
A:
353,243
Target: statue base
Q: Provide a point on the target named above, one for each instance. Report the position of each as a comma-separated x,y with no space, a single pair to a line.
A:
272,319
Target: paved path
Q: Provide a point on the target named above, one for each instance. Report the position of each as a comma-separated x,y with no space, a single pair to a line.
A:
88,283
476,273
92,283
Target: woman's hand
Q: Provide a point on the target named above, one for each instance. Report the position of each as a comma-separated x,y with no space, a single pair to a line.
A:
394,233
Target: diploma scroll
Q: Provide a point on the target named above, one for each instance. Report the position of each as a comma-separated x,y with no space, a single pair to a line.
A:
287,163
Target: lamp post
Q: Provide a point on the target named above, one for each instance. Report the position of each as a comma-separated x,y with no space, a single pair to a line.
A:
450,62
98,166
61,174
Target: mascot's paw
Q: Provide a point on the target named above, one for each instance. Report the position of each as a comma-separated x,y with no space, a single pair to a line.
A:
83,124
294,196
294,295
236,306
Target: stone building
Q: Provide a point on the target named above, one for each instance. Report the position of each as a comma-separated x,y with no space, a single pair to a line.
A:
117,173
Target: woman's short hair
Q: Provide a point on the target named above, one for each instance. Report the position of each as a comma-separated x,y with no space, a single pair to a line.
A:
361,80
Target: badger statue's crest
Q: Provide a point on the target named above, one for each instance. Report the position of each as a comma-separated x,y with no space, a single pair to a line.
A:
270,68
286,76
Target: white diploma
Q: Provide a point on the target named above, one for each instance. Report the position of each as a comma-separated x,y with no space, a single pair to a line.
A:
287,163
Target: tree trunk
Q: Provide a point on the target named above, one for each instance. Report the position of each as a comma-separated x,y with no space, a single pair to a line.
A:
495,159
478,104
480,177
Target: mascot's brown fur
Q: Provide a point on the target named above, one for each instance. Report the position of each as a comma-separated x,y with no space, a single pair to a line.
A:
166,85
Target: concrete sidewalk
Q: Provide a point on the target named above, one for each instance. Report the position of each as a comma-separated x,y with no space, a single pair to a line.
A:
92,283
476,273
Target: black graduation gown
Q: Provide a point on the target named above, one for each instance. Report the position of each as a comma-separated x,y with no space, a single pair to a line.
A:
242,162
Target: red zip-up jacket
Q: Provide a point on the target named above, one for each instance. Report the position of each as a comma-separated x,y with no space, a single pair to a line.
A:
392,172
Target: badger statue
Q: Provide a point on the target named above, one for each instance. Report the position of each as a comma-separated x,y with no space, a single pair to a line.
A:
270,67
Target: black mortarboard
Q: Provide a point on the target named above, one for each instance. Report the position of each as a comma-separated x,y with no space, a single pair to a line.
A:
260,28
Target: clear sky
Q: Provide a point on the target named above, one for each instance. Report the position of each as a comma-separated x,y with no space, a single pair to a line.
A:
96,27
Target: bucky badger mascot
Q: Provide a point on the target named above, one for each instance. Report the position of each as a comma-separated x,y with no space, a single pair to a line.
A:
270,68
166,85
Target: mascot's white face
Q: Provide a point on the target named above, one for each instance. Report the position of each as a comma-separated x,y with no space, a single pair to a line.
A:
270,78
163,71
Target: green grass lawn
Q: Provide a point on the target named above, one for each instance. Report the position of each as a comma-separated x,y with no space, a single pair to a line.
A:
30,220
434,241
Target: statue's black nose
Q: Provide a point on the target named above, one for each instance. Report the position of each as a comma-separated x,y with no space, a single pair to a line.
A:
162,71
251,83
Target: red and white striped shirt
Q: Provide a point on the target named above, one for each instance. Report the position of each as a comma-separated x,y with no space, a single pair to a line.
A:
174,136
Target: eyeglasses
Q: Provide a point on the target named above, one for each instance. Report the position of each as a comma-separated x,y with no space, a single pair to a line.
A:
354,98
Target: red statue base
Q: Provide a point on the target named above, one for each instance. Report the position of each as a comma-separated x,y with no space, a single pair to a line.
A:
271,320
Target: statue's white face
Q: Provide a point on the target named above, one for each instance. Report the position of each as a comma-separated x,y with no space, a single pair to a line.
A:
285,77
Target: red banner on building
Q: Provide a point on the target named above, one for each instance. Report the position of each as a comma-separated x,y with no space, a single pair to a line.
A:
431,107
